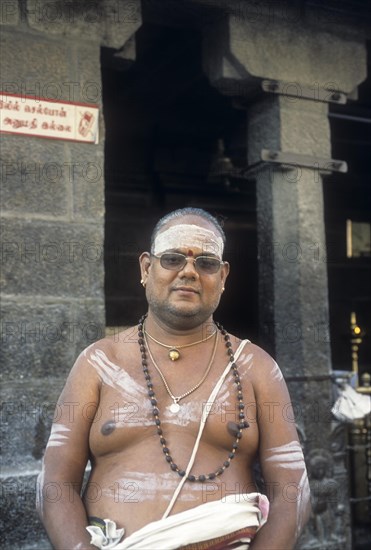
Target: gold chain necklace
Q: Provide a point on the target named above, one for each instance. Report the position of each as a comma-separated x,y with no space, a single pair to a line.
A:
175,407
174,353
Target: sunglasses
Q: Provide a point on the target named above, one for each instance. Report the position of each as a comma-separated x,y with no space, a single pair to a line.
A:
205,265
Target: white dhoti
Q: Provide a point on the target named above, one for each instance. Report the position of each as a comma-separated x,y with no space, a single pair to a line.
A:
234,520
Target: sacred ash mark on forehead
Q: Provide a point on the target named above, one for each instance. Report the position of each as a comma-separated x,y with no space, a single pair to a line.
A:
188,236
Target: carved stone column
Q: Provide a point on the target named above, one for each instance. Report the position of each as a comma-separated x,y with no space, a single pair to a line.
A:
285,76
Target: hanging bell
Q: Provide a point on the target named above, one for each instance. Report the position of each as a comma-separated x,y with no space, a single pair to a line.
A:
174,354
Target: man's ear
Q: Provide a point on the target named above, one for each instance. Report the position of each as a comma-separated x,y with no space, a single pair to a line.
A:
144,263
224,272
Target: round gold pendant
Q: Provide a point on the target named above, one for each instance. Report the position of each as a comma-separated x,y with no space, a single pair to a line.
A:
175,407
174,354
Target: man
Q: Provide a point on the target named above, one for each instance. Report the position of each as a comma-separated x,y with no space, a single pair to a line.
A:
172,416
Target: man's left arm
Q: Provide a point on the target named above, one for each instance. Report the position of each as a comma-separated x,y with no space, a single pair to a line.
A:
281,460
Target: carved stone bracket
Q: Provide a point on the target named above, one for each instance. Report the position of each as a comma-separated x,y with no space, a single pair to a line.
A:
112,24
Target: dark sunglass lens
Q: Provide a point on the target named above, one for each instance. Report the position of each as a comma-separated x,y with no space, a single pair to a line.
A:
207,265
172,261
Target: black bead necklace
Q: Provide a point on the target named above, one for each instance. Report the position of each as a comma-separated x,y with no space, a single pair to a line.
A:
240,405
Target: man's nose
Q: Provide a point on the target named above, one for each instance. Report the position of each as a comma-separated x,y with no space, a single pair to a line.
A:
190,267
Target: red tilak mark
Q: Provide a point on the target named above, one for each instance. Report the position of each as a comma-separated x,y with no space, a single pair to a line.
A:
190,253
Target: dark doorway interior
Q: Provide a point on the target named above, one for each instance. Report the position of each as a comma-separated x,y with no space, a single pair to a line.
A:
348,197
163,125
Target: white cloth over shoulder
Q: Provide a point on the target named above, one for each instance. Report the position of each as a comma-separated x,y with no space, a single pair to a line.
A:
202,523
351,405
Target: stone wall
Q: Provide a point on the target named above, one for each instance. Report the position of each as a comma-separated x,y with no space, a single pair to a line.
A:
52,227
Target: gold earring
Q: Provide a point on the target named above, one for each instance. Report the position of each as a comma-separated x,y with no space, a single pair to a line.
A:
223,289
143,283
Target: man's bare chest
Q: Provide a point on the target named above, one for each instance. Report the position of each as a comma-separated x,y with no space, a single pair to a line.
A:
125,416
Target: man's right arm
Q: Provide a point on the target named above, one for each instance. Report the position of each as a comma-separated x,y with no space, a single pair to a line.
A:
59,484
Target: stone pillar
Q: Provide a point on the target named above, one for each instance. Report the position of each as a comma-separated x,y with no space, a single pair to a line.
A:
293,295
240,52
52,225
